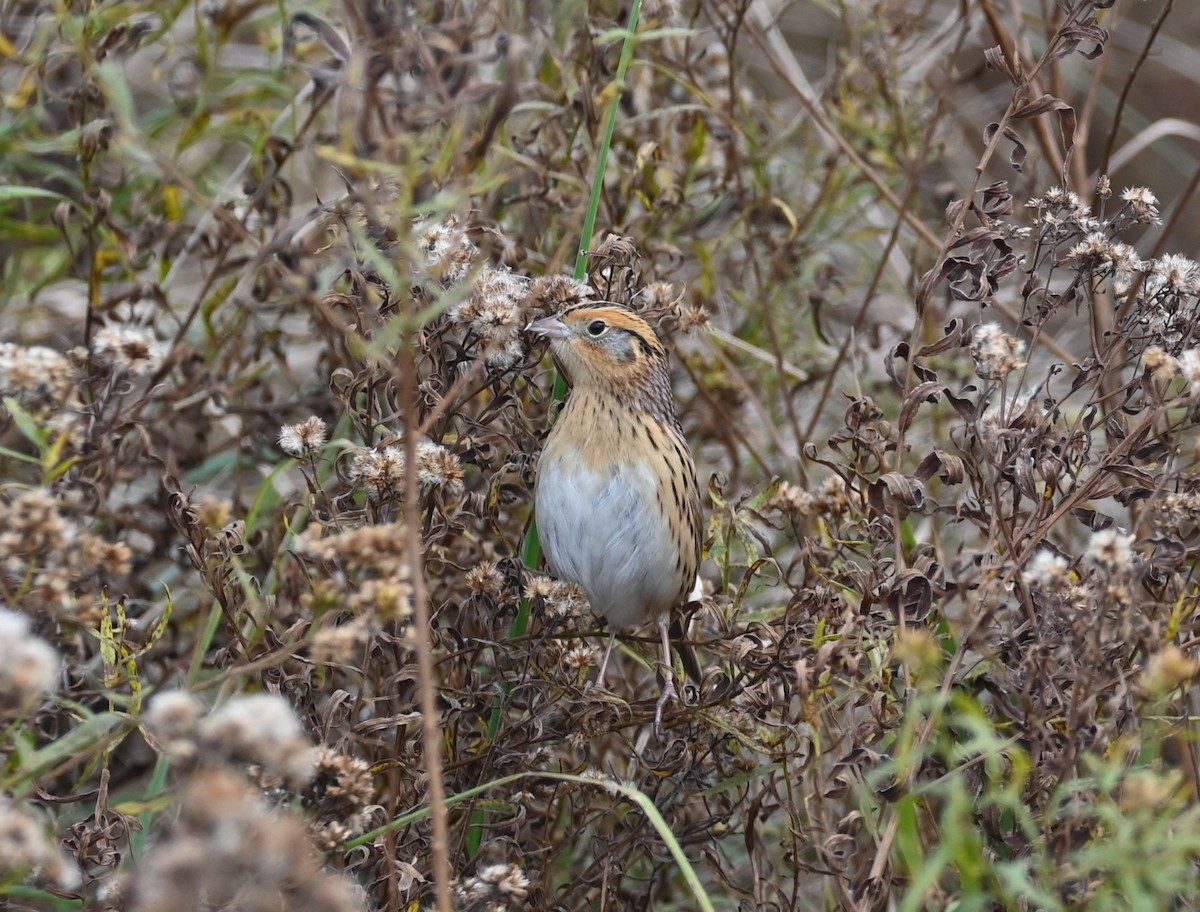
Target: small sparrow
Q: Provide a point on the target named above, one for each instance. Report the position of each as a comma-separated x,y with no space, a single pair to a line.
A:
617,504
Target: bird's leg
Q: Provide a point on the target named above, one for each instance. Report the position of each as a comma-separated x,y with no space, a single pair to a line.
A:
668,691
612,639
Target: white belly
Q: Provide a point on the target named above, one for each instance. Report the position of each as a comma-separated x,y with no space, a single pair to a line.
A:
605,531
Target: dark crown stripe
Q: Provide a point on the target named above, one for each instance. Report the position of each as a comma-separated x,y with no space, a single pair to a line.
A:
619,317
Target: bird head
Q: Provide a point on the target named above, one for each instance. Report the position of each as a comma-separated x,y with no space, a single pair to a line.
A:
605,346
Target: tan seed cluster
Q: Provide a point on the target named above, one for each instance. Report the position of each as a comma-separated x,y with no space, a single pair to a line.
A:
549,294
380,472
557,598
1169,669
38,377
29,666
303,439
340,794
830,498
1143,204
492,311
367,546
485,579
49,563
260,729
495,888
449,253
370,580
26,850
127,348
995,352
337,644
229,850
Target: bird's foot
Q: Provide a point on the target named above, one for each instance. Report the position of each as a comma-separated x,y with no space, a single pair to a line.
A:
596,687
598,692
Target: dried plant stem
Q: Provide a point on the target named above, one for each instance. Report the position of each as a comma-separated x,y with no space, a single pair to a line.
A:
1127,85
430,728
764,35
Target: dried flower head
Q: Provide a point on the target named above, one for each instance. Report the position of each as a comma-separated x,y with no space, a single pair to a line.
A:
1169,669
228,850
438,468
505,356
377,546
387,599
25,850
379,472
1047,570
32,524
172,718
1060,198
1059,208
1111,551
449,252
832,496
337,644
918,649
579,658
693,317
114,558
1106,257
37,376
259,728
495,888
555,293
1172,274
660,12
1161,366
56,558
485,579
1149,790
1189,366
339,795
660,294
561,600
995,352
492,308
128,349
793,499
1175,508
1142,203
540,587
29,666
303,439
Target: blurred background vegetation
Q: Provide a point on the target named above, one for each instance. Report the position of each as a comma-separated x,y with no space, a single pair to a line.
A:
270,427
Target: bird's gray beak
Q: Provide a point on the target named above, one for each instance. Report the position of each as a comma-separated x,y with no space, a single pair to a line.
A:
550,327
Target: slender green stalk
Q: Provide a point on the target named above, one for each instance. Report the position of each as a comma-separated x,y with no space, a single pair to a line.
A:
610,125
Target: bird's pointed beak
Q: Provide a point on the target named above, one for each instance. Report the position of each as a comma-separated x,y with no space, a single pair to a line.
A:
550,327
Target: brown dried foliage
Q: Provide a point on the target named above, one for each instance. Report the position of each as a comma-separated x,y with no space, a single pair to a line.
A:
271,404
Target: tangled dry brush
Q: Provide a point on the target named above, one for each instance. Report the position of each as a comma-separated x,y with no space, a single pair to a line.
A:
273,631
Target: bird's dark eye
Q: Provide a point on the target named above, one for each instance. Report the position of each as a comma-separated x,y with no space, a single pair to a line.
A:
596,328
